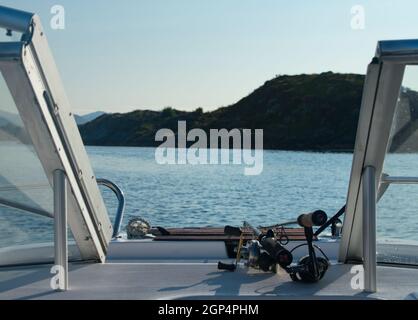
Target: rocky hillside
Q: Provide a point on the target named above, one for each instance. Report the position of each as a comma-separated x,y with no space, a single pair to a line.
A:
302,112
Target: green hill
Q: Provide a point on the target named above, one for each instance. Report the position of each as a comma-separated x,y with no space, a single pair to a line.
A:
302,112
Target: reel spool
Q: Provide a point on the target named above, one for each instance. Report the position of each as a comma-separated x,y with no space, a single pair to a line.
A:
254,253
138,228
310,268
304,272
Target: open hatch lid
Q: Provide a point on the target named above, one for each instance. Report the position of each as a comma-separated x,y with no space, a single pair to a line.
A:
380,110
32,78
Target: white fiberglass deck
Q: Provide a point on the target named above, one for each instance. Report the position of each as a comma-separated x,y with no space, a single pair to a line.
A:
196,279
189,273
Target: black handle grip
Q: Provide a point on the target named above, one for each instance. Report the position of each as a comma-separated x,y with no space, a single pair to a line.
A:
226,266
317,218
232,231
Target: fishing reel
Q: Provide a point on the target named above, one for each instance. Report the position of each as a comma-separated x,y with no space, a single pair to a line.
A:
310,268
267,251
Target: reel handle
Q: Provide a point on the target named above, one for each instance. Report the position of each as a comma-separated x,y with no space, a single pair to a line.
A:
316,218
227,266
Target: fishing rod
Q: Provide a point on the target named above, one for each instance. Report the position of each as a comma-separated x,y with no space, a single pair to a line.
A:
266,252
310,268
332,221
274,253
237,232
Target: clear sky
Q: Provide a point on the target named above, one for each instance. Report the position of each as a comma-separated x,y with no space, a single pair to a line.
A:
122,55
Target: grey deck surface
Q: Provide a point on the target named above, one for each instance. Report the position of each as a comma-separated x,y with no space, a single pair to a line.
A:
194,280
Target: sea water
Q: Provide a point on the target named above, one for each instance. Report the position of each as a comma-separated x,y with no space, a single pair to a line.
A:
291,183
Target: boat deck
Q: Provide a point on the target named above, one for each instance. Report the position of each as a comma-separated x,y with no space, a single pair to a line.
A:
188,270
194,280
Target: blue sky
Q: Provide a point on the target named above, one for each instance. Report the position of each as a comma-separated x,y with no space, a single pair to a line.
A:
122,55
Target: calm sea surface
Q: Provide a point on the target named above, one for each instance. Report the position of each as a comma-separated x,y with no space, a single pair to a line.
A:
215,195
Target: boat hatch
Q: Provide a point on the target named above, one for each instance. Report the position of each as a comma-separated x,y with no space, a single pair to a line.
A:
39,137
387,134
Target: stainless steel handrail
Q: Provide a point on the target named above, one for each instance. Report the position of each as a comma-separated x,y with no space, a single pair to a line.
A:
60,228
103,182
369,228
399,180
121,205
386,181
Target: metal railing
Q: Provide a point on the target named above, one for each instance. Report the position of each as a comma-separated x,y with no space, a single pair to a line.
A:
121,203
103,182
399,180
60,228
369,228
370,198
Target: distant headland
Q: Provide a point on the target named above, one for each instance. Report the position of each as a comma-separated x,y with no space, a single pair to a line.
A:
316,112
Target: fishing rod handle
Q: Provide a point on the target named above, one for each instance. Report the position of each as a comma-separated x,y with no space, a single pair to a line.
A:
232,231
316,218
226,266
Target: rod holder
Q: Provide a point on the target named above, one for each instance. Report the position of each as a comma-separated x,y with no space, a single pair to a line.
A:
369,228
60,228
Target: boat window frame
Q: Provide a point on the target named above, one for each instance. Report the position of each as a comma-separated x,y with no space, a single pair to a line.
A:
378,109
33,80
